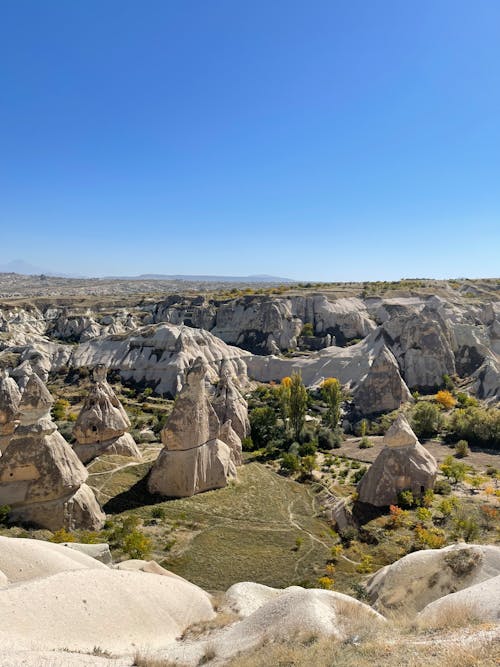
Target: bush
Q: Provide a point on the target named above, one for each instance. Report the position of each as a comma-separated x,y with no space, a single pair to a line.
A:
454,470
307,330
247,444
263,425
290,462
308,448
426,419
4,513
328,439
442,487
405,498
479,426
59,409
358,474
445,399
462,449
365,443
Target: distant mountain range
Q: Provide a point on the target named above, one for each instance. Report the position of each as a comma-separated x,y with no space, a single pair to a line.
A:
25,268
219,279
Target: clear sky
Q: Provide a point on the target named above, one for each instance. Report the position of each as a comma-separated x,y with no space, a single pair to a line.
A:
314,139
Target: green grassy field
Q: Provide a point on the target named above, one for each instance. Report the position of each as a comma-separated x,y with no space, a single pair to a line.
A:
263,528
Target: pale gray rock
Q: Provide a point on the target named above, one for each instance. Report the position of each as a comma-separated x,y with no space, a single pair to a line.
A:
382,389
476,604
99,552
10,397
102,423
486,381
193,459
184,473
421,577
229,404
41,478
160,355
402,465
228,435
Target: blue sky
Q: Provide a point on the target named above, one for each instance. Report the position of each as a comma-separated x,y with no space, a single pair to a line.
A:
320,140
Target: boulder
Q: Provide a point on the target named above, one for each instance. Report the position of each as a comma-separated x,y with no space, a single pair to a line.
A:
402,465
478,603
382,389
41,478
421,577
25,559
193,459
10,397
102,423
115,610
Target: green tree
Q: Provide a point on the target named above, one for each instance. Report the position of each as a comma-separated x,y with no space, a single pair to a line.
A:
298,404
454,470
426,419
332,394
263,425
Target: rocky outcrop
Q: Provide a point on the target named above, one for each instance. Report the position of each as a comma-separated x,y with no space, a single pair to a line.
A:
419,578
10,397
159,355
382,389
41,478
402,465
102,425
229,404
194,458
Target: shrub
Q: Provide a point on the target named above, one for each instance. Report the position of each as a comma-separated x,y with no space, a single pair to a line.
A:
366,564
365,443
328,439
462,449
4,513
405,498
358,474
348,535
308,448
263,425
445,399
430,538
424,514
479,426
307,330
59,409
454,470
442,487
62,535
158,513
428,498
326,583
290,462
426,419
308,463
397,517
247,444
465,525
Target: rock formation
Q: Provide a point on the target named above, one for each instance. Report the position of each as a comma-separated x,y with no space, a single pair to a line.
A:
194,458
229,404
10,397
382,389
101,426
402,465
421,577
41,478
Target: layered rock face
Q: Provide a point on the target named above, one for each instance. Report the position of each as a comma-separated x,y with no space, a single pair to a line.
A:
102,425
229,404
194,458
10,397
402,465
41,477
382,389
